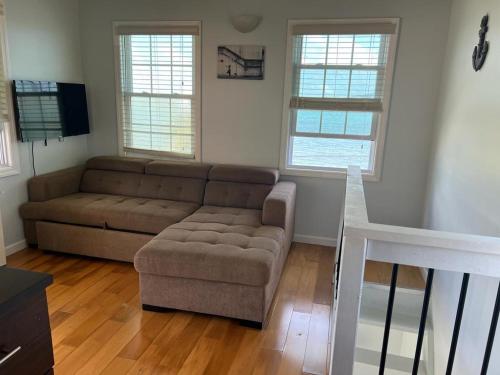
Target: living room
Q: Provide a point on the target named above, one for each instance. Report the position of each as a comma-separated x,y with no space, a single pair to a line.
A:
185,219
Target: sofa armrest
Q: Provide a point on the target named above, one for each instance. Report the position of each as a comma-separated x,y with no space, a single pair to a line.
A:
56,184
279,206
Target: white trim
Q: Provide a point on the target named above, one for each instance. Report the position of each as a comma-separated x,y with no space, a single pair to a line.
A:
197,83
325,173
15,247
13,152
315,240
378,149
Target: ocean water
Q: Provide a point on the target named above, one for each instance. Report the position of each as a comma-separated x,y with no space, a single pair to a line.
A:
330,152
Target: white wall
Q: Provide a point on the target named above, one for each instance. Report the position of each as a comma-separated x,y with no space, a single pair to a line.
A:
242,119
44,44
464,180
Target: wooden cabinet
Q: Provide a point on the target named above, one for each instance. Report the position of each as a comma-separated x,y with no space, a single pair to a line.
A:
25,338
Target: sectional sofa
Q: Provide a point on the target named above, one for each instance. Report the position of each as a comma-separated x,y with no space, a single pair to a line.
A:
209,239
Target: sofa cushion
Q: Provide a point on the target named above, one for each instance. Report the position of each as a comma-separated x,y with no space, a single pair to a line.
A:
110,211
218,244
141,185
249,175
188,170
233,194
118,163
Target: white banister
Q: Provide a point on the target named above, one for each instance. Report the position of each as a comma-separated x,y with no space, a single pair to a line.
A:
348,303
359,240
414,246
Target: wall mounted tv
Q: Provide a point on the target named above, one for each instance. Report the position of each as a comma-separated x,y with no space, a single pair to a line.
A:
46,110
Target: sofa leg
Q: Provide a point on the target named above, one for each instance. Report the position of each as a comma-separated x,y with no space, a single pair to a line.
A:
157,309
251,324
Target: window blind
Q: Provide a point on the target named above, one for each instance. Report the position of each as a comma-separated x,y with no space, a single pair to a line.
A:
339,72
342,78
4,111
158,89
345,28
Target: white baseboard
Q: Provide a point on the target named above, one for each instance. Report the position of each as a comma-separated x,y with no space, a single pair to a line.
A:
15,247
315,240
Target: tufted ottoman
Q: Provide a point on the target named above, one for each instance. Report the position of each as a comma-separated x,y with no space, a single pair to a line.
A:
219,260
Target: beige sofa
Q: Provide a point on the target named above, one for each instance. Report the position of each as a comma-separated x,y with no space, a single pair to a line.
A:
210,239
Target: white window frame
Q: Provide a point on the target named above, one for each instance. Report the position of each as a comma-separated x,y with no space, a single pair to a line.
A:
380,129
197,93
12,153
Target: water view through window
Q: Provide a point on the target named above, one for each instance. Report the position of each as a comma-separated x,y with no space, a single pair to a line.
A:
333,74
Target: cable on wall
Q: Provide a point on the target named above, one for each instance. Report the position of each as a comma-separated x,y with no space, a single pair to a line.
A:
33,157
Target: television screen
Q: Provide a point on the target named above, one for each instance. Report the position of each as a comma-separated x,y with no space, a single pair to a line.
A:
46,110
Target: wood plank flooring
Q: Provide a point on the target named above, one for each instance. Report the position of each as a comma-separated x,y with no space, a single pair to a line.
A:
98,326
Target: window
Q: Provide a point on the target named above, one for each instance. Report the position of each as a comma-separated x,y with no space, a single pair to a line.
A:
337,95
8,150
158,79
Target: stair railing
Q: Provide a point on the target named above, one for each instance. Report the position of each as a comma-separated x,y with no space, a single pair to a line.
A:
359,241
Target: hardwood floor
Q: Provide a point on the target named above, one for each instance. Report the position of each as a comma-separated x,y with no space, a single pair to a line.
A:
98,326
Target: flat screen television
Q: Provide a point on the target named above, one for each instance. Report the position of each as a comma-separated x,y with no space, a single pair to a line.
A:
45,110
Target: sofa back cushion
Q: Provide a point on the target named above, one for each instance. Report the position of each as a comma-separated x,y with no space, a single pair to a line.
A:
243,187
155,180
118,163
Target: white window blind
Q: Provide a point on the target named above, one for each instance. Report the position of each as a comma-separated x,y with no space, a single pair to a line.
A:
338,80
159,96
5,152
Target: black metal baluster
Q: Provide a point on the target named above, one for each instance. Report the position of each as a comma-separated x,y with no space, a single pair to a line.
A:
458,322
388,318
491,335
337,266
423,319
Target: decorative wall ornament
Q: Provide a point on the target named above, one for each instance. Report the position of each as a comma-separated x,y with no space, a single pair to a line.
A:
481,50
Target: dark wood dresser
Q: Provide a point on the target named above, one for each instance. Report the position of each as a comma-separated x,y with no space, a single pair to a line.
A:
25,339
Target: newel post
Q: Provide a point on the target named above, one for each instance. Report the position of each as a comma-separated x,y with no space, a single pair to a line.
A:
347,305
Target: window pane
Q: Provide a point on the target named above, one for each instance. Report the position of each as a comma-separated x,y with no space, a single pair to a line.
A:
340,49
141,78
330,152
182,80
161,49
359,123
162,79
141,53
363,84
314,49
312,82
309,121
337,83
367,50
333,122
182,50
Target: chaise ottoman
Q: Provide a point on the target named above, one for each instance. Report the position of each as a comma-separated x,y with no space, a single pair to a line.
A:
222,260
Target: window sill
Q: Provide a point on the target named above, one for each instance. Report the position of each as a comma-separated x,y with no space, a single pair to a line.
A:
9,171
331,174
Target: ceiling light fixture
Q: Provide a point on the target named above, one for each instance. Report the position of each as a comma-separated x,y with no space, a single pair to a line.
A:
245,23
